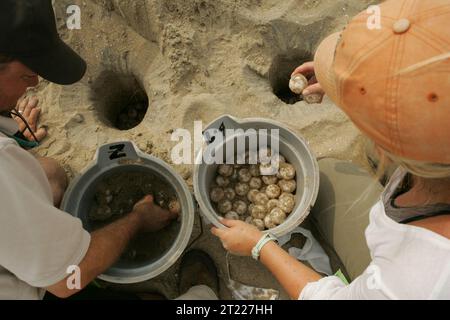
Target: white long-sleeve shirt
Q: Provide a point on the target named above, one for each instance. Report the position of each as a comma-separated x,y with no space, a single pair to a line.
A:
408,262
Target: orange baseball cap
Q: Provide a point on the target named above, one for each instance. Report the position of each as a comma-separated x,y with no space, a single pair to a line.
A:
392,81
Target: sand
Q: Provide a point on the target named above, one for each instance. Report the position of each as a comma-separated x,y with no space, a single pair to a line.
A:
192,60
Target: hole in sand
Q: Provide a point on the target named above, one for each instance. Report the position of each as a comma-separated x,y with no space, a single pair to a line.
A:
280,74
120,100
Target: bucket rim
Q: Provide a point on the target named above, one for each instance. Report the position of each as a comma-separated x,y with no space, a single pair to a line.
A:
187,222
282,229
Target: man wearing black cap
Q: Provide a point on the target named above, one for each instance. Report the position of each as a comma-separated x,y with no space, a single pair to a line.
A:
38,242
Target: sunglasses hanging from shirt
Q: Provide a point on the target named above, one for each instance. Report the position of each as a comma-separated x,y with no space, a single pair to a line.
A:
19,136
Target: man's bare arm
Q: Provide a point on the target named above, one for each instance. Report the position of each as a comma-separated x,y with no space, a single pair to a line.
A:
108,243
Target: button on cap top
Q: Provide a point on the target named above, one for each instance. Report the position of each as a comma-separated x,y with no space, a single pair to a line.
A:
401,26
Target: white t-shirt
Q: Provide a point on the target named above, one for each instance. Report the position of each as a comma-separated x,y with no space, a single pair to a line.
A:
408,263
38,242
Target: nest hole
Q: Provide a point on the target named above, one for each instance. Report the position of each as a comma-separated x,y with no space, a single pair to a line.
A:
280,74
120,100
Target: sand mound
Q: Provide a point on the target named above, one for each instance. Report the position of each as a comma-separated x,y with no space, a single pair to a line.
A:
191,60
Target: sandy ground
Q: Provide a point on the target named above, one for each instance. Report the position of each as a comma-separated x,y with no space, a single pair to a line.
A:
194,60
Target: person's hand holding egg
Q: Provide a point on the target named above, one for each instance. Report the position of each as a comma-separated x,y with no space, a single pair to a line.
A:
311,90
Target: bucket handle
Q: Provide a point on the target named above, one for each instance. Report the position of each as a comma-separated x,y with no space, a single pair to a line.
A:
115,152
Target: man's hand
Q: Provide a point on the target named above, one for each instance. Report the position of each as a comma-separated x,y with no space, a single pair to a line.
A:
307,69
109,242
152,217
239,238
29,110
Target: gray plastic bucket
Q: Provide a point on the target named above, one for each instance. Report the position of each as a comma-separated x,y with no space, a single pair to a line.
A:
126,157
291,146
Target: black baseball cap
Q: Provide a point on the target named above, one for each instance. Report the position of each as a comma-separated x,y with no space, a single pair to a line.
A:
28,34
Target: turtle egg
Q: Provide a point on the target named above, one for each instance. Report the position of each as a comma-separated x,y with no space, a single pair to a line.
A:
273,203
103,213
273,191
251,195
267,169
225,206
175,206
255,183
231,215
268,222
244,175
222,181
258,223
298,83
225,170
254,170
278,216
259,212
230,194
261,199
288,186
250,208
268,180
248,220
217,194
240,207
286,171
275,218
287,202
279,158
242,189
313,98
264,155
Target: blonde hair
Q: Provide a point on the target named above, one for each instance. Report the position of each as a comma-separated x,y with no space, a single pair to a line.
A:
422,169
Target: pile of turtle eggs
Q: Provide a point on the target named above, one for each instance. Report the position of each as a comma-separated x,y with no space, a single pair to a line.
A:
247,193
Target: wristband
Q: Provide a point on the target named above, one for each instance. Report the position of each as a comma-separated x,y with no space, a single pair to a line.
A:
256,251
